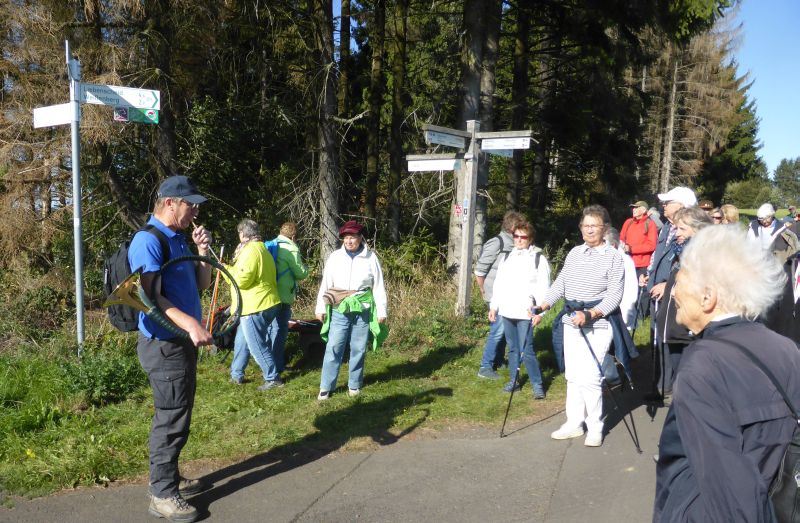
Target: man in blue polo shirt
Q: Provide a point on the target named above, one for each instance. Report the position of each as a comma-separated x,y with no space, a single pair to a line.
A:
171,362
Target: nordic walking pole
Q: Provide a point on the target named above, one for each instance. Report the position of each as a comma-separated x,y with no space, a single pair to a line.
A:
634,436
514,384
511,397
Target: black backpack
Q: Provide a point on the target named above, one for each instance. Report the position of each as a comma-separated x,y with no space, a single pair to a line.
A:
115,269
535,258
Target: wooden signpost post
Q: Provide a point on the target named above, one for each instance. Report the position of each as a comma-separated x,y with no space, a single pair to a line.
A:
465,166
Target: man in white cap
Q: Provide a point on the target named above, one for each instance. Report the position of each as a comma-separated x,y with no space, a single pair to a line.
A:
765,228
658,272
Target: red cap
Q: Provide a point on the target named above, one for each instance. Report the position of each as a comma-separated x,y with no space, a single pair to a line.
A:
350,227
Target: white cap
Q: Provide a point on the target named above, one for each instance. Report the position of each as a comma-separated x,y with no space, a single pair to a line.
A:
765,210
682,195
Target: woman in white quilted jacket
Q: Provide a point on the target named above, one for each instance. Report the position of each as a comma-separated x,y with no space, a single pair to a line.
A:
523,278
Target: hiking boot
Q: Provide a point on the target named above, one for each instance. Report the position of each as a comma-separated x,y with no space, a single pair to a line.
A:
489,374
511,386
273,384
237,381
190,487
565,432
538,394
593,440
323,395
173,509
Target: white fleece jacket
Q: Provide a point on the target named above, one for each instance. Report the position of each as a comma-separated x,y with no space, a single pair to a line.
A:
358,273
519,283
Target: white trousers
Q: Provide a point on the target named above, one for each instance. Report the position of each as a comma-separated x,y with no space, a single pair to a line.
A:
584,394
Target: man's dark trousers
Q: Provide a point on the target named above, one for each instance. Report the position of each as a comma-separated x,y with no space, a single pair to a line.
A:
171,367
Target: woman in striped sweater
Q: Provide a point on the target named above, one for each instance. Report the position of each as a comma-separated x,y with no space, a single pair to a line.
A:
591,283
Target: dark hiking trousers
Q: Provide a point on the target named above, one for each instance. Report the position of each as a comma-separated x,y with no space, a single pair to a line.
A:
171,367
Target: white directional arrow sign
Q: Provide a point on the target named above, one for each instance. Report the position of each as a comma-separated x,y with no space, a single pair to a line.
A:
51,115
119,96
505,143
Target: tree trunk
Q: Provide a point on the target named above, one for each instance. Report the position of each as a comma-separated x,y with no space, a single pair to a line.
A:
666,160
396,156
159,53
375,104
494,12
471,59
519,103
322,21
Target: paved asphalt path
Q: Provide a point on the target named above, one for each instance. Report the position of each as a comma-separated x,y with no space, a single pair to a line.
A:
471,476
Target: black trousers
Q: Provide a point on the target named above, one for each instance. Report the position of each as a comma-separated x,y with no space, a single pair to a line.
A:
171,367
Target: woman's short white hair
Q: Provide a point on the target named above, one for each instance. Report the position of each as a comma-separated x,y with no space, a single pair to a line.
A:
748,280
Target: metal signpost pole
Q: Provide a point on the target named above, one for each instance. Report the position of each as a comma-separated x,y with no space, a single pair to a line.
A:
470,182
74,69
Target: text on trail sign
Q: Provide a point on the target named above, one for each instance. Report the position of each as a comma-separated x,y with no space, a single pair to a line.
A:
505,143
119,96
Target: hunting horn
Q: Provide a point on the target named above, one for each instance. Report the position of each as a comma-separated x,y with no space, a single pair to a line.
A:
130,293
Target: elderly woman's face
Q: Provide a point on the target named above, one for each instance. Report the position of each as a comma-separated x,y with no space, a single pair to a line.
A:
592,229
521,239
351,241
684,232
688,299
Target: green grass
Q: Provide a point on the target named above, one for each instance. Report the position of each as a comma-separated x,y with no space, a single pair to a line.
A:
60,429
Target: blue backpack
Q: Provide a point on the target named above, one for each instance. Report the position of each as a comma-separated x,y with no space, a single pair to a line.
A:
273,246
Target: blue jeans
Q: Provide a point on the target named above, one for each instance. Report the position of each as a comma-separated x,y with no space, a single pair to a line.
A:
281,326
519,335
495,346
255,336
352,327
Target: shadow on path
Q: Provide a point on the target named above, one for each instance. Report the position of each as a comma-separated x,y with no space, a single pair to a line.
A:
360,418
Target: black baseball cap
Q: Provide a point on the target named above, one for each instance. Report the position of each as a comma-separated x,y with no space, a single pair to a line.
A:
180,187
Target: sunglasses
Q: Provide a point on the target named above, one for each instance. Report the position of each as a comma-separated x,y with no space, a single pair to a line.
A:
716,217
521,236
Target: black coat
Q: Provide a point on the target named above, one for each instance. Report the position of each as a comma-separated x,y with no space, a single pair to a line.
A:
727,428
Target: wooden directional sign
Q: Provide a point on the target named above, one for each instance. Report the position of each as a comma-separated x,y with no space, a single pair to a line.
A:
433,162
445,136
445,139
488,144
119,96
432,165
51,115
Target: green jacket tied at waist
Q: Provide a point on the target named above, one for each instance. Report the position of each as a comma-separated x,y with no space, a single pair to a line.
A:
356,303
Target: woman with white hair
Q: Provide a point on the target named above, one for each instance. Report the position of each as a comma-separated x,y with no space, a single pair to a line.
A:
728,427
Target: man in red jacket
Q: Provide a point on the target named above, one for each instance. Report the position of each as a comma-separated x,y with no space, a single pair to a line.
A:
639,235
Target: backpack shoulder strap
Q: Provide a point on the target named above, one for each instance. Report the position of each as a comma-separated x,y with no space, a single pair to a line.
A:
752,357
536,260
754,227
162,239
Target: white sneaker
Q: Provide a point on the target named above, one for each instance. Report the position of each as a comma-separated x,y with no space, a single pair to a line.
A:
353,392
565,432
323,395
593,440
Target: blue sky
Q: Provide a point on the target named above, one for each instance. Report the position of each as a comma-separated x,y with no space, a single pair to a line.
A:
769,51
